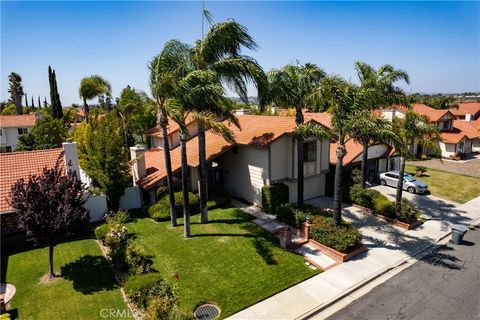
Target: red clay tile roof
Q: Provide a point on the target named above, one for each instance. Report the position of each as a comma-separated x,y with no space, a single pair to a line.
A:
470,128
16,165
256,131
433,114
353,148
171,128
466,107
17,120
323,118
452,136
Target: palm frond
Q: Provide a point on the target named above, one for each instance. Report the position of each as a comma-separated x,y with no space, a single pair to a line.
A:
209,122
312,130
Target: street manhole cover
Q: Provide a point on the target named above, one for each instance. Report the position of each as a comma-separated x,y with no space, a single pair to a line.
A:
207,312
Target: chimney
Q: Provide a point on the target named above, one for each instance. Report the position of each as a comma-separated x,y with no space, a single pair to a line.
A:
468,117
138,167
71,157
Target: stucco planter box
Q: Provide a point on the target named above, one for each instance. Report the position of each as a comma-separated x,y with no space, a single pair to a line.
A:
337,255
364,209
395,222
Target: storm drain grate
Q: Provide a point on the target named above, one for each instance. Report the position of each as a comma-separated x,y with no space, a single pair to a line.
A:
207,312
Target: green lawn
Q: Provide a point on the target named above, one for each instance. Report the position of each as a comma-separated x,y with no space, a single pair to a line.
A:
87,285
452,186
230,261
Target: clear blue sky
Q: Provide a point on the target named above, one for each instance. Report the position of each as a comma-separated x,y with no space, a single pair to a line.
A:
437,43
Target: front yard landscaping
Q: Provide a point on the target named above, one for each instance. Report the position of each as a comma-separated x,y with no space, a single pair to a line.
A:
87,285
229,261
452,186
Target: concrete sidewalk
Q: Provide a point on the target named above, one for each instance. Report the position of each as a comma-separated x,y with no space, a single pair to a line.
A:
388,247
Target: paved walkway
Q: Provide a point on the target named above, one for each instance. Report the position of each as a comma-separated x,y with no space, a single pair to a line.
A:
469,167
387,246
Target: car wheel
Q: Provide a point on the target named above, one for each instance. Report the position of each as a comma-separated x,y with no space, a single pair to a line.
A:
383,182
411,189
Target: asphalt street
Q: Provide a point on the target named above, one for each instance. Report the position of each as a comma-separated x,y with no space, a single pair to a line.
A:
445,284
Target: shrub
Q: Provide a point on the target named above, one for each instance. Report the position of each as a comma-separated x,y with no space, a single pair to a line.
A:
119,217
101,231
138,261
420,170
285,213
407,212
342,238
161,210
365,197
141,288
161,192
218,198
116,239
384,207
273,196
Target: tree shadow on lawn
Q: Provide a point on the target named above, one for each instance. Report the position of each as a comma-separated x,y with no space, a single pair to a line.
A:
264,249
89,274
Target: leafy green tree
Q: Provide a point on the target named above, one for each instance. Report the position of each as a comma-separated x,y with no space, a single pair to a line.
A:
170,65
55,104
219,51
103,156
16,91
9,108
93,87
46,134
413,128
294,86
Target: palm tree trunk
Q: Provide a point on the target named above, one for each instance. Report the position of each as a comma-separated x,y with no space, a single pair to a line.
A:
338,185
50,257
364,163
168,166
186,204
85,109
300,176
401,172
202,179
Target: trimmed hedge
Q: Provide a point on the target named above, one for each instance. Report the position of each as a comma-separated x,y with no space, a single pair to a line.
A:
274,195
343,238
296,216
141,288
161,210
407,213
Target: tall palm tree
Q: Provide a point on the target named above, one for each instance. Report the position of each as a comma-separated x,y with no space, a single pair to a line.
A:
93,87
199,87
166,69
344,101
413,128
367,129
294,85
219,51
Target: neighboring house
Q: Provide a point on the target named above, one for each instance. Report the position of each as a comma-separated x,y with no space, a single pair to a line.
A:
458,137
14,126
79,114
468,111
20,165
264,153
173,131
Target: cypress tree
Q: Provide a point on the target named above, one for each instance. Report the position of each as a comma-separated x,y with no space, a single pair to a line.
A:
26,100
39,103
56,108
33,104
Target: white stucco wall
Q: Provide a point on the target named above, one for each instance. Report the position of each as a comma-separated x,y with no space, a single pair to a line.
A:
476,145
447,149
10,136
131,199
281,160
375,151
313,187
246,173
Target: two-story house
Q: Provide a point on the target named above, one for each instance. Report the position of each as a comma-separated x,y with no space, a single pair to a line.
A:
14,126
264,152
467,111
173,131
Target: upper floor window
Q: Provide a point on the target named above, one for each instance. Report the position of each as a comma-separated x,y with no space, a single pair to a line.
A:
22,131
5,149
309,151
1,132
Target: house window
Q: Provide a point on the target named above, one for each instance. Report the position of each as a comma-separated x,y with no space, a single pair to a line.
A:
309,151
1,132
5,149
22,131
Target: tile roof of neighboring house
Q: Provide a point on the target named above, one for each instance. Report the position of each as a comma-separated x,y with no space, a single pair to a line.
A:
470,128
18,120
433,114
453,136
353,148
80,112
466,108
323,118
16,165
256,131
171,128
